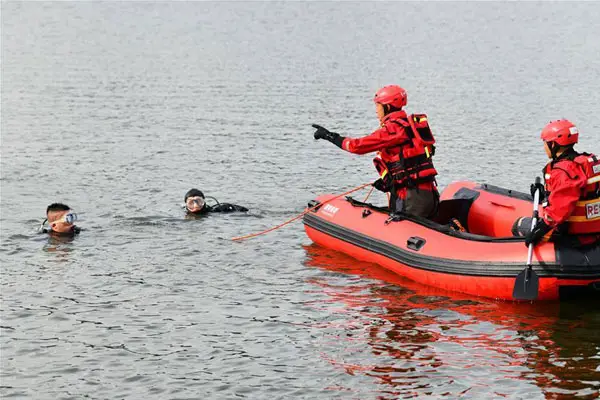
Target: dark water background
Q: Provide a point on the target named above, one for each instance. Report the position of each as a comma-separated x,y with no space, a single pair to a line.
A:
118,108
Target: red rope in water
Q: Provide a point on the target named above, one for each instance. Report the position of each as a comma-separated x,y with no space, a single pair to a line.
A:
289,221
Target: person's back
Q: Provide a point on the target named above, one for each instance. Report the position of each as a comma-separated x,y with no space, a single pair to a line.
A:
573,193
227,207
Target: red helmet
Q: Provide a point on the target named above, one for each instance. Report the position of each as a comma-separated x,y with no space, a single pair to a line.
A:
393,95
561,132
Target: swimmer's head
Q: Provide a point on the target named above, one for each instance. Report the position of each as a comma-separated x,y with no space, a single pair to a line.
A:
60,218
194,201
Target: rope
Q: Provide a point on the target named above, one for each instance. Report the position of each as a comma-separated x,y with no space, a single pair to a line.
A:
289,221
368,194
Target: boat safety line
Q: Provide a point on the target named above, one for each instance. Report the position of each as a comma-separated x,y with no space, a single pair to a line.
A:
289,221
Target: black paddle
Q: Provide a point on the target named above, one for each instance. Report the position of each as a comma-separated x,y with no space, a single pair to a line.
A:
527,283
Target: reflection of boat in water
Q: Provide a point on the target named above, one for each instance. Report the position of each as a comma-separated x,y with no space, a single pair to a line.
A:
416,340
482,261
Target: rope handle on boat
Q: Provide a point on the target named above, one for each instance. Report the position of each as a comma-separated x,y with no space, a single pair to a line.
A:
289,221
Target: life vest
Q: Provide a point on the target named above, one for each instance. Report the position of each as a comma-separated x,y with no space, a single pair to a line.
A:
410,163
585,218
382,170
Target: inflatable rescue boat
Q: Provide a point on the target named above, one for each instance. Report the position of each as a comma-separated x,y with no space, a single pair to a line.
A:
482,259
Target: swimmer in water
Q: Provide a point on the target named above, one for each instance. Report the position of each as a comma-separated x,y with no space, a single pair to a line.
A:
60,221
195,204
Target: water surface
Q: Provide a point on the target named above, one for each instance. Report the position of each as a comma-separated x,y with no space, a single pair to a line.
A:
119,108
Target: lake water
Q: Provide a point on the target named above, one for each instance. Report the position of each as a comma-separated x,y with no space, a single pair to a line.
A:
118,108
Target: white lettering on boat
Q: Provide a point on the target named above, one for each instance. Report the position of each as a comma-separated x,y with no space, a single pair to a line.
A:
330,210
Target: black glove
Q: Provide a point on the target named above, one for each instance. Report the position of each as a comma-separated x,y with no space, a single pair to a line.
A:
534,236
322,133
380,185
540,187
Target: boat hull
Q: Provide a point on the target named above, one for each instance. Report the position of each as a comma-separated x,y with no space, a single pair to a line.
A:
466,264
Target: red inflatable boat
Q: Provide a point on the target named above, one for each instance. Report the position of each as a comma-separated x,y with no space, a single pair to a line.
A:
482,261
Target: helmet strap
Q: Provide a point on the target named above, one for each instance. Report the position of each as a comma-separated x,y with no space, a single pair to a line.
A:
553,146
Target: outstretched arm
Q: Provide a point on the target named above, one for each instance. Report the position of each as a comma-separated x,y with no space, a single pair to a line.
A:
380,139
377,140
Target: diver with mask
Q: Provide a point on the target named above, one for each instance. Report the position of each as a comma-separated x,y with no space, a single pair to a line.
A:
60,221
195,204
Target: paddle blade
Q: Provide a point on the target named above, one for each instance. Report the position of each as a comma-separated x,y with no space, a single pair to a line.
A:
526,285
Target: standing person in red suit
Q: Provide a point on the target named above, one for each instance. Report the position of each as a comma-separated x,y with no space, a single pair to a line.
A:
571,189
404,146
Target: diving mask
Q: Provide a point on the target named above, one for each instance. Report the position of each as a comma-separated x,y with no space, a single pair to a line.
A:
195,202
68,218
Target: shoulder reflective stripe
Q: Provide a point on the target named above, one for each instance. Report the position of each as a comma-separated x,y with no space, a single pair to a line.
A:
593,180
